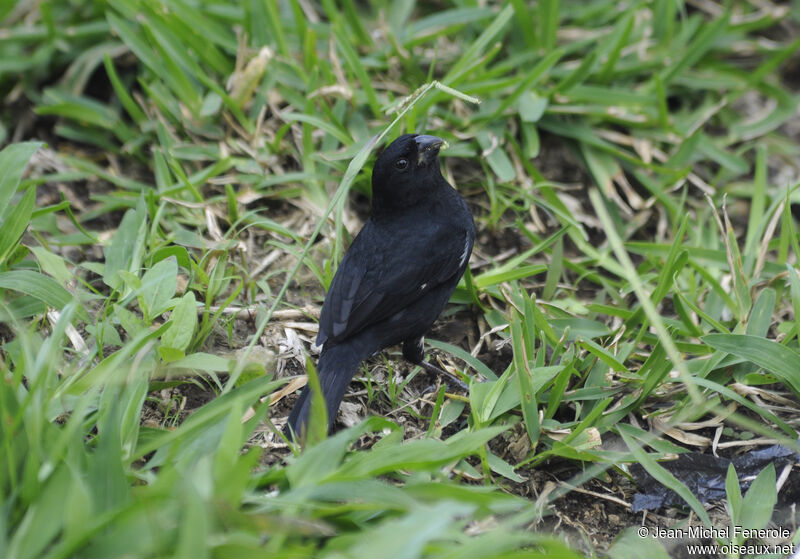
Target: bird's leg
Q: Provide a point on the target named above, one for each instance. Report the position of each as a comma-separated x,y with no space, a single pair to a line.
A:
414,351
431,368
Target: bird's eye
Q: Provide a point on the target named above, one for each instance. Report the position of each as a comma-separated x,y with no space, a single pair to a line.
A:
401,164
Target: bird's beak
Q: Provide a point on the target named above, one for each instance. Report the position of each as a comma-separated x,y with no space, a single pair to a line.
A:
427,148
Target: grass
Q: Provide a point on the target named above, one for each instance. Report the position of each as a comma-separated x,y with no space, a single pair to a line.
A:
173,202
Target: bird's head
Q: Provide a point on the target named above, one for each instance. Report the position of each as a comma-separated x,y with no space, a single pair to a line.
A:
406,170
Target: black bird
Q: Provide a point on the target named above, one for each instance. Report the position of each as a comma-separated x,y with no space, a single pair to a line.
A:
397,275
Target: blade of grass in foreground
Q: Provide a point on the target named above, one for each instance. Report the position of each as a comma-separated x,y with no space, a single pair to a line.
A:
644,299
663,476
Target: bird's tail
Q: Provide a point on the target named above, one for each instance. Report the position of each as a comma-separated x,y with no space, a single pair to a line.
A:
336,366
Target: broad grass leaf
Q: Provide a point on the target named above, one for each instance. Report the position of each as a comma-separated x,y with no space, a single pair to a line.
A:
421,454
37,285
53,264
14,225
407,536
733,495
183,322
120,253
776,358
13,160
759,501
158,286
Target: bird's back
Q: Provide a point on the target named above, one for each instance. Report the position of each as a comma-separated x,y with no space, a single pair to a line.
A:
396,259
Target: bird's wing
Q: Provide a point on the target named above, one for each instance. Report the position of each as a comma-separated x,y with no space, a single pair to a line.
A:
373,283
